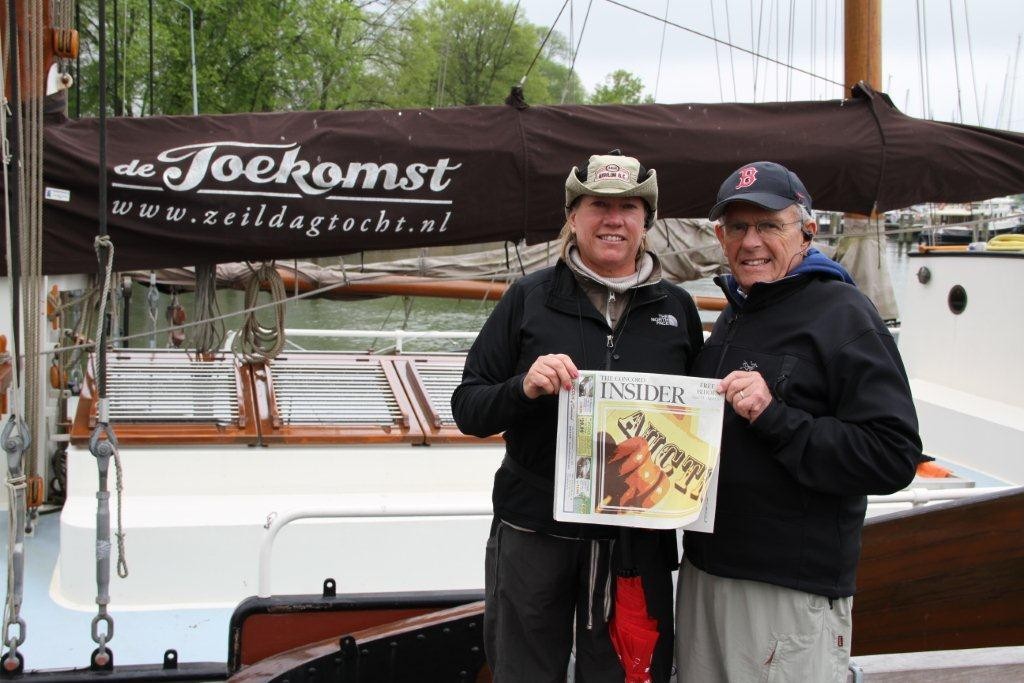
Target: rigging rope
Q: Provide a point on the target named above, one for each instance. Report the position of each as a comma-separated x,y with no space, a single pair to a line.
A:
813,40
974,77
544,42
103,244
504,44
33,296
576,52
755,41
1013,86
661,52
208,335
790,47
718,63
956,65
825,35
726,43
778,44
732,57
254,341
23,253
835,37
103,448
152,302
923,38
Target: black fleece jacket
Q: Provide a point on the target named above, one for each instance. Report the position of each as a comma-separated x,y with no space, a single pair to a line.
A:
548,312
792,485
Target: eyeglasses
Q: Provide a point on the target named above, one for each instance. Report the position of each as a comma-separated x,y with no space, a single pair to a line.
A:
737,231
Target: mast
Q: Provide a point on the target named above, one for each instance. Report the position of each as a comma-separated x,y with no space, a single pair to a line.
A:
862,24
862,247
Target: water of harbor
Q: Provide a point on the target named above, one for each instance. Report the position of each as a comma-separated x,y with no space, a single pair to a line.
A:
388,313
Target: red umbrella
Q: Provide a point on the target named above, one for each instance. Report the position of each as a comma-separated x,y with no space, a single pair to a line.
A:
633,633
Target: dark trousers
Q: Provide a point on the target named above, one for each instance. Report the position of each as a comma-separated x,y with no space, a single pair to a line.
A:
541,591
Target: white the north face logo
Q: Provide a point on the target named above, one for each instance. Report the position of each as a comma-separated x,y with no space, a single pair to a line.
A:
665,319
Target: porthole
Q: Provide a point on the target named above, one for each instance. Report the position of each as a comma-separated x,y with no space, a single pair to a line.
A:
957,299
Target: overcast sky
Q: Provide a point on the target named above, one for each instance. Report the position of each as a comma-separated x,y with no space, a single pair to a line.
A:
616,38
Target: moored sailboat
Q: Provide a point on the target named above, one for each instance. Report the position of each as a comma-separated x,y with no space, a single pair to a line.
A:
218,449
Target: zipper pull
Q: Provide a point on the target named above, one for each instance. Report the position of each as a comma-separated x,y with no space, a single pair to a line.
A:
611,342
730,329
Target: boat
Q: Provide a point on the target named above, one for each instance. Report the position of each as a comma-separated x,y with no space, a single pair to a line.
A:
971,222
315,524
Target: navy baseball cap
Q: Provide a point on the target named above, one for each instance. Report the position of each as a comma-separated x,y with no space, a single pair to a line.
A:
765,183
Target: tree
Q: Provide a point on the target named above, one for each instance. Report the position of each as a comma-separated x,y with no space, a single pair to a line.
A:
461,52
252,55
621,87
277,55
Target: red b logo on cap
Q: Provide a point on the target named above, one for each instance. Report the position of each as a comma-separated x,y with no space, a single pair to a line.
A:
747,177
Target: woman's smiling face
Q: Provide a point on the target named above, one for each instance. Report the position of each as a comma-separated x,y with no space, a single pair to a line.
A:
608,232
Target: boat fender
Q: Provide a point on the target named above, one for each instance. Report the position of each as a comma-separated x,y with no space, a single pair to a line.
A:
933,470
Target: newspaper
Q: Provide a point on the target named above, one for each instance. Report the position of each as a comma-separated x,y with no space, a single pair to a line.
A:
638,449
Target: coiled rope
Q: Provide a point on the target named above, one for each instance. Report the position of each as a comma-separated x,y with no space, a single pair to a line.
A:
256,342
208,335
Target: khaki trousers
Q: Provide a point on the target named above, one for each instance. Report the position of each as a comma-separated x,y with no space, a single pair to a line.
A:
735,631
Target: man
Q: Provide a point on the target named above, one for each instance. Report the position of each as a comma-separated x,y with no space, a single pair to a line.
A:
819,415
549,585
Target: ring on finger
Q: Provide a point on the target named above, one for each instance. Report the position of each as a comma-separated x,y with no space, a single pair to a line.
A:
742,396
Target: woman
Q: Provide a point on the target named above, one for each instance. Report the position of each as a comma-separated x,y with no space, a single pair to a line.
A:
603,306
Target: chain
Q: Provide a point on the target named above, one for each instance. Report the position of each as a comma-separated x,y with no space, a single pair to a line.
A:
16,439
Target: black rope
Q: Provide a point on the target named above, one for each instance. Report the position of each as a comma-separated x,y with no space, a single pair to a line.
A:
118,104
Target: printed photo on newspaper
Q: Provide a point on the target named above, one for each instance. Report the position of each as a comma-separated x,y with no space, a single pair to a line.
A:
638,449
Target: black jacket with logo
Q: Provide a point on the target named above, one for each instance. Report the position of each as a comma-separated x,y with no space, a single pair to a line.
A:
548,312
792,485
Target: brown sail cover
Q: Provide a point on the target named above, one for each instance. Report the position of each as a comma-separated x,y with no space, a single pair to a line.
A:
185,190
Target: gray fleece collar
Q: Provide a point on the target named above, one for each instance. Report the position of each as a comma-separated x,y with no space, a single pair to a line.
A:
648,272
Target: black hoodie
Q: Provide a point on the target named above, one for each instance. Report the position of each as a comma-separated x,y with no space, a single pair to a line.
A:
792,485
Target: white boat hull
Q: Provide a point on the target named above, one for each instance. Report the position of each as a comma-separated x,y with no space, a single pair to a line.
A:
211,527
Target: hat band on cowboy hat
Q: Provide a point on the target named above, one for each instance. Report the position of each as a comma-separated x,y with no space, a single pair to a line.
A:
612,175
764,183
